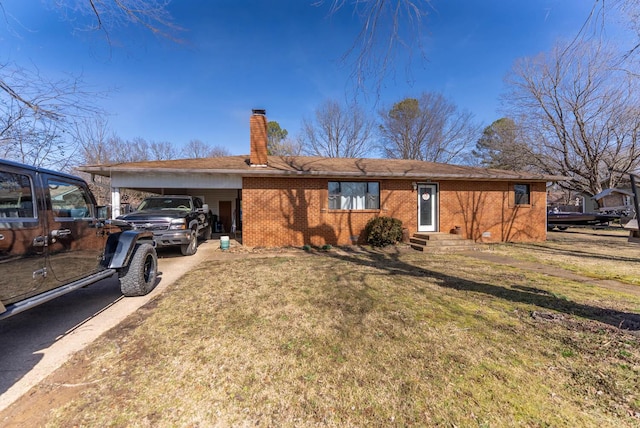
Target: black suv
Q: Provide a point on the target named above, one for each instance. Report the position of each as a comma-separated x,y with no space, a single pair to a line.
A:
53,241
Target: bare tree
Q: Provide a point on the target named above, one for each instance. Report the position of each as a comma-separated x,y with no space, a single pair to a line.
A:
338,131
162,150
97,145
93,137
218,152
196,149
624,15
288,147
387,28
199,149
429,128
104,15
580,111
38,115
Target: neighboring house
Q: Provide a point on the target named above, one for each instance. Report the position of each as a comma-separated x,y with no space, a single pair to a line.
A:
294,200
615,200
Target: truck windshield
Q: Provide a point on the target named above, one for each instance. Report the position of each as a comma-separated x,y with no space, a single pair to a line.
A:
165,204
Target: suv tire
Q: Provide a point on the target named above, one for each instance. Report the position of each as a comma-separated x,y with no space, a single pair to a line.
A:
140,277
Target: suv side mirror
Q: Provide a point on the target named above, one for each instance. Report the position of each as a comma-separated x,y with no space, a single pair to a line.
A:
103,212
205,208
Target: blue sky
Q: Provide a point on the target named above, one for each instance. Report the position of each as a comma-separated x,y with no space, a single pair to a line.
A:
282,56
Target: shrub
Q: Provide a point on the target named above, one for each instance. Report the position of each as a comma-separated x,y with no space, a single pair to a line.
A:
383,231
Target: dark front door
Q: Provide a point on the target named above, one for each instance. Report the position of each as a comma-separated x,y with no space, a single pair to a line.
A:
225,215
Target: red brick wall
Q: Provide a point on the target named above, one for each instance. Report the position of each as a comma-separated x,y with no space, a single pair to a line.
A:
486,211
258,136
294,211
612,200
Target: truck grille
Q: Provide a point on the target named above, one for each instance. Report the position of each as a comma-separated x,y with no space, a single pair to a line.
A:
150,225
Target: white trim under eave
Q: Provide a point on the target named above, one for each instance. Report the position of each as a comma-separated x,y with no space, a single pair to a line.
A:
188,180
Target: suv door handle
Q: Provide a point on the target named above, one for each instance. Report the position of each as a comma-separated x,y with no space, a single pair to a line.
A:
58,233
40,241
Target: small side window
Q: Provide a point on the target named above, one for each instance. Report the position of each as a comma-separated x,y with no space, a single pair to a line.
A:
522,194
16,196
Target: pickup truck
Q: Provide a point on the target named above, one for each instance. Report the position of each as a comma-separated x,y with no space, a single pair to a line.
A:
174,220
53,240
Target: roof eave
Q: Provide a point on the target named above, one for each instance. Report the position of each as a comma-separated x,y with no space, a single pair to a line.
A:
269,172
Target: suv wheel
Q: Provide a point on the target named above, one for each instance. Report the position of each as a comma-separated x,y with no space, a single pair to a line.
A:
139,278
190,248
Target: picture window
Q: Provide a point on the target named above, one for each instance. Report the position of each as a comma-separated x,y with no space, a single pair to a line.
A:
354,195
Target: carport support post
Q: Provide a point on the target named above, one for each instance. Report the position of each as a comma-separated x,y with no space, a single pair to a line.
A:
115,202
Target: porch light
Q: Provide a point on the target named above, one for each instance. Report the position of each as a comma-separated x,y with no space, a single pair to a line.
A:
415,186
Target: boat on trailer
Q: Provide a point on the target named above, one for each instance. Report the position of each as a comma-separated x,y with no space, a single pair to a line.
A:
563,220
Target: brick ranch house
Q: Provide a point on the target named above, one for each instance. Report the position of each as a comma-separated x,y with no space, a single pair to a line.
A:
296,200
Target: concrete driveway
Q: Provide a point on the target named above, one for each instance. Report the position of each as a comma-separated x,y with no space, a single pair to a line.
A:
36,342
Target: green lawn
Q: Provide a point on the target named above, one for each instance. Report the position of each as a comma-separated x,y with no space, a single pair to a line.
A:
342,338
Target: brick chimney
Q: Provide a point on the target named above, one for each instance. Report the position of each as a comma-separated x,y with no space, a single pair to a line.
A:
258,129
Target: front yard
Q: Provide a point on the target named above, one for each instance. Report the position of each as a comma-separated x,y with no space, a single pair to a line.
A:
368,338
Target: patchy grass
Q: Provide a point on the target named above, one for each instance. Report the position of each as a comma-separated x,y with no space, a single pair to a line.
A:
601,254
344,338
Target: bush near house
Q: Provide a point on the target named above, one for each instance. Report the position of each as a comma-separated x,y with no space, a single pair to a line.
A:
383,231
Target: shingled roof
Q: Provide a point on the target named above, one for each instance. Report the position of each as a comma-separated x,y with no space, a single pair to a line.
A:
310,166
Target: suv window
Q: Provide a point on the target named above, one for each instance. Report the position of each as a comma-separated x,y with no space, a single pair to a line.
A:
68,200
16,196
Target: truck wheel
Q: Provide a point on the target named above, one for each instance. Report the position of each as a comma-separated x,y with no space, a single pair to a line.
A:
190,248
206,235
139,278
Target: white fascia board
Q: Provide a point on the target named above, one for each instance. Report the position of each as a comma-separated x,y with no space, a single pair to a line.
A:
183,180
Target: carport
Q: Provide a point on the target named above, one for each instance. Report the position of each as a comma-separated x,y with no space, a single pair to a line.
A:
222,192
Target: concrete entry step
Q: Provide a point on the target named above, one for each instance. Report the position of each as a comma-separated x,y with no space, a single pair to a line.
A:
434,241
